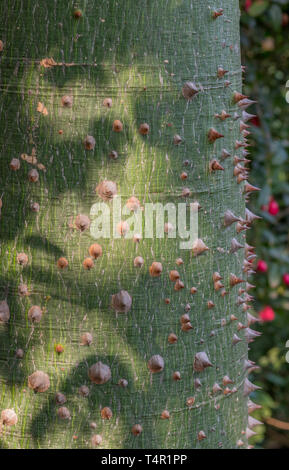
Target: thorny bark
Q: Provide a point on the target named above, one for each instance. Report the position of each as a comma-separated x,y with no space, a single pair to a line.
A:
140,54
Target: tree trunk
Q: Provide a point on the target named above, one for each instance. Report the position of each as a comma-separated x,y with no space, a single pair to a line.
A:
139,54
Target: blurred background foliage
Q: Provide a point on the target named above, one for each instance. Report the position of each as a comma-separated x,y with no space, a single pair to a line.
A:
265,41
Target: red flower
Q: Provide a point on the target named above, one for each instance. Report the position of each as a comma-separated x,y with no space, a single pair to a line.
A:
267,314
248,4
286,279
273,208
285,19
255,121
262,266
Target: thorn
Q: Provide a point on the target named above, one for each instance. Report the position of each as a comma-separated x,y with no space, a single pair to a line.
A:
253,406
249,298
249,433
230,218
186,326
247,117
249,387
217,13
227,380
238,96
201,435
213,135
215,165
251,335
218,285
241,178
216,388
245,103
186,192
223,115
199,247
179,285
248,188
201,362
245,307
234,280
221,72
197,383
177,139
236,339
225,154
235,246
249,286
250,216
243,126
251,258
251,272
250,366
251,319
249,249
239,144
240,326
185,318
238,160
252,422
217,277
238,169
240,301
247,264
189,90
246,134
241,227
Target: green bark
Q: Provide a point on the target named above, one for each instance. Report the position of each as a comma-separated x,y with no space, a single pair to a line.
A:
116,49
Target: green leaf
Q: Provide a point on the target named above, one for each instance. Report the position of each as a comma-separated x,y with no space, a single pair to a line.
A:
286,199
278,255
282,2
275,14
268,235
258,8
266,400
276,379
264,195
280,155
274,276
269,218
